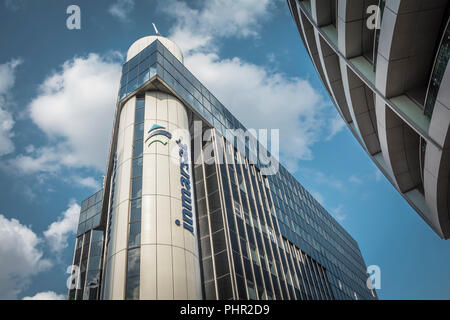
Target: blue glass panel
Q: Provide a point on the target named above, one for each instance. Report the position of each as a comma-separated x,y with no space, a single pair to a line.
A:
133,62
152,71
145,53
144,65
133,73
144,77
132,85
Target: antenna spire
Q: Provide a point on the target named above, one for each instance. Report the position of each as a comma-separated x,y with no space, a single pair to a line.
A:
156,30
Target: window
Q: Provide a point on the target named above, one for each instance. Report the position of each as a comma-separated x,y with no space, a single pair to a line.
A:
136,187
137,167
135,211
133,263
134,237
237,209
272,235
132,291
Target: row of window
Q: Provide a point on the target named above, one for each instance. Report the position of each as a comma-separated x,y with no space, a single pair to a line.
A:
88,260
252,238
134,218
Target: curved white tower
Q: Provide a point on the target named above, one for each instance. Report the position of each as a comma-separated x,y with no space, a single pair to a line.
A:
152,250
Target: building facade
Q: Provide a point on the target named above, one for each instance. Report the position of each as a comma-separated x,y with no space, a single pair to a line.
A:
185,214
385,66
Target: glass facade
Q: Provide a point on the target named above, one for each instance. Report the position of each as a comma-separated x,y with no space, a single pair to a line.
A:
247,252
88,250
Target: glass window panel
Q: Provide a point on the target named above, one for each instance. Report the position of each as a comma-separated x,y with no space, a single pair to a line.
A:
134,237
138,148
208,272
224,288
94,263
144,77
133,73
152,59
123,92
83,216
139,129
98,207
89,224
137,167
134,259
99,196
79,242
221,260
140,103
84,205
90,212
96,248
135,211
132,85
132,291
136,187
219,242
251,290
159,69
145,53
97,235
152,71
96,221
125,68
159,58
214,201
80,228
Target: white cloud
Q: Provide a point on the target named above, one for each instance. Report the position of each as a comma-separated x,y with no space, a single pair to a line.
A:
323,179
121,9
338,213
355,179
47,295
59,231
14,5
319,197
20,257
289,104
336,126
7,80
75,108
7,75
378,175
6,125
246,89
88,182
198,27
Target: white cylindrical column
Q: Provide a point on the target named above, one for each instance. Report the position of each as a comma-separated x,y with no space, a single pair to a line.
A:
152,246
170,267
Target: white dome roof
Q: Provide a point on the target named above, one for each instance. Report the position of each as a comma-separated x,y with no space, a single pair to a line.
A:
142,43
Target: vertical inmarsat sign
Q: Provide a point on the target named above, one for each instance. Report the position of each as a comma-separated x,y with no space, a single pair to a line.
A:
186,194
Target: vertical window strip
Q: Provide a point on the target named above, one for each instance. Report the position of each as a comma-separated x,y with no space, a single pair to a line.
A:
135,211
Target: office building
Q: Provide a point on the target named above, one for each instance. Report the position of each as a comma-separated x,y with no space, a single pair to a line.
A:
185,214
385,66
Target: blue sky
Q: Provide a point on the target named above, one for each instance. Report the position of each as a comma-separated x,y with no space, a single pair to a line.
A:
57,96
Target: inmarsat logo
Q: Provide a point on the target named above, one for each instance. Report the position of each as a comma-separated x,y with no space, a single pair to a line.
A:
158,133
